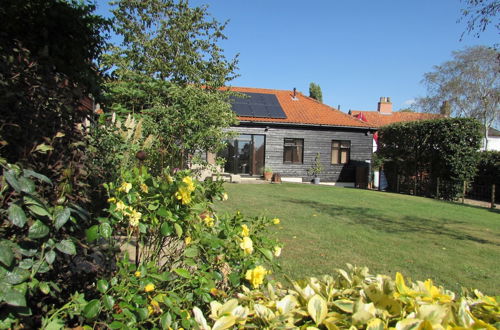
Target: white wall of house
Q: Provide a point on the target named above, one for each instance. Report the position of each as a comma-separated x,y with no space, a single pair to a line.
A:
493,143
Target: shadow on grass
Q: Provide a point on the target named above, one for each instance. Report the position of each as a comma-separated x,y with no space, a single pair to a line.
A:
378,221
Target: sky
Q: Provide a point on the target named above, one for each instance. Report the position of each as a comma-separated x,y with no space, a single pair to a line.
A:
356,50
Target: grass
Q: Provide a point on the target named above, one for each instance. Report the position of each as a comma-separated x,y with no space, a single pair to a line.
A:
324,227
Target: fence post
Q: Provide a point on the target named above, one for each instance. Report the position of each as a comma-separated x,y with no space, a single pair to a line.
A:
437,188
493,186
463,192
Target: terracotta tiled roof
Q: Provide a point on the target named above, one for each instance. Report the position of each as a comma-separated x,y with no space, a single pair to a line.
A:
376,119
303,110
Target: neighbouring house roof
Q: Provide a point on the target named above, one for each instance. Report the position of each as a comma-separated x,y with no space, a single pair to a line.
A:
377,119
301,110
493,132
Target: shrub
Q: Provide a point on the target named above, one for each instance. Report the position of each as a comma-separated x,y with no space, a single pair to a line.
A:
424,151
353,299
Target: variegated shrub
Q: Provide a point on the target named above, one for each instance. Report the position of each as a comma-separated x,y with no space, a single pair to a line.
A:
354,299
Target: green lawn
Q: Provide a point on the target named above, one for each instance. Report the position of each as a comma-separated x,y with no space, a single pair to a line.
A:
325,227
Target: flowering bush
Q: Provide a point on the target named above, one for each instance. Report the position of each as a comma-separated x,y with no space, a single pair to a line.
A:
186,254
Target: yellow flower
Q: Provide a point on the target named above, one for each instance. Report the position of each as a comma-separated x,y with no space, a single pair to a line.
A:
112,200
155,307
189,182
183,195
150,310
256,276
187,240
276,221
245,232
209,221
225,197
125,187
134,218
277,251
137,274
149,287
247,245
144,188
120,206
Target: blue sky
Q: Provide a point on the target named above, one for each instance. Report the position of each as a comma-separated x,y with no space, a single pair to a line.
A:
356,50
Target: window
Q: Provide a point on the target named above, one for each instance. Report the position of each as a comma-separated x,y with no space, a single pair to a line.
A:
293,151
341,152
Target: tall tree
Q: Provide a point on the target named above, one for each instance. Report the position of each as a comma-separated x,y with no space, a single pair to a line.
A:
480,14
170,69
470,82
315,92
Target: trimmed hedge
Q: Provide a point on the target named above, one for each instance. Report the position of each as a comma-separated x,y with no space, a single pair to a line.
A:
424,151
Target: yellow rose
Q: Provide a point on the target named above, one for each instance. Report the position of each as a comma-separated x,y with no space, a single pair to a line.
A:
245,231
256,276
149,287
187,240
134,218
144,188
183,195
276,221
125,187
277,251
247,245
137,274
189,182
120,206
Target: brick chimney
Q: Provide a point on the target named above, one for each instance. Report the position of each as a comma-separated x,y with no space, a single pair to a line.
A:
385,105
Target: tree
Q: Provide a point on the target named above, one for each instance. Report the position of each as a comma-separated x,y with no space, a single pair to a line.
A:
171,71
469,83
480,13
315,92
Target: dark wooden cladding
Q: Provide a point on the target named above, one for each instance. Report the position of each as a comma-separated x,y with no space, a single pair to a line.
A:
316,139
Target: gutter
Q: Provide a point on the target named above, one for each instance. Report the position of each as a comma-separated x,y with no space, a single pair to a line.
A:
306,125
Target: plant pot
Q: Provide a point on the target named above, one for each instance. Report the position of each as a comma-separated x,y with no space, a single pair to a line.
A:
316,180
268,176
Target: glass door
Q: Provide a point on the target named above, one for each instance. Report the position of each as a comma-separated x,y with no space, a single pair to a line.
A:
245,154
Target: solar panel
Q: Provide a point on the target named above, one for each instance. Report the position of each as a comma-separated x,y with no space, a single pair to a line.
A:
258,105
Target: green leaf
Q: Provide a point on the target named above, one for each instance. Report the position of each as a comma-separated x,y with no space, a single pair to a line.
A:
267,253
183,272
16,215
66,246
26,263
50,256
191,252
44,287
178,230
102,285
17,276
92,233
163,212
105,230
14,298
54,324
152,207
41,177
143,313
91,310
38,230
26,185
166,320
225,322
61,216
344,305
6,254
117,325
108,301
43,148
166,229
11,178
317,309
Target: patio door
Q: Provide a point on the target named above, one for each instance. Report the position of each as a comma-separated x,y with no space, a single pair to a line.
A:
245,154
